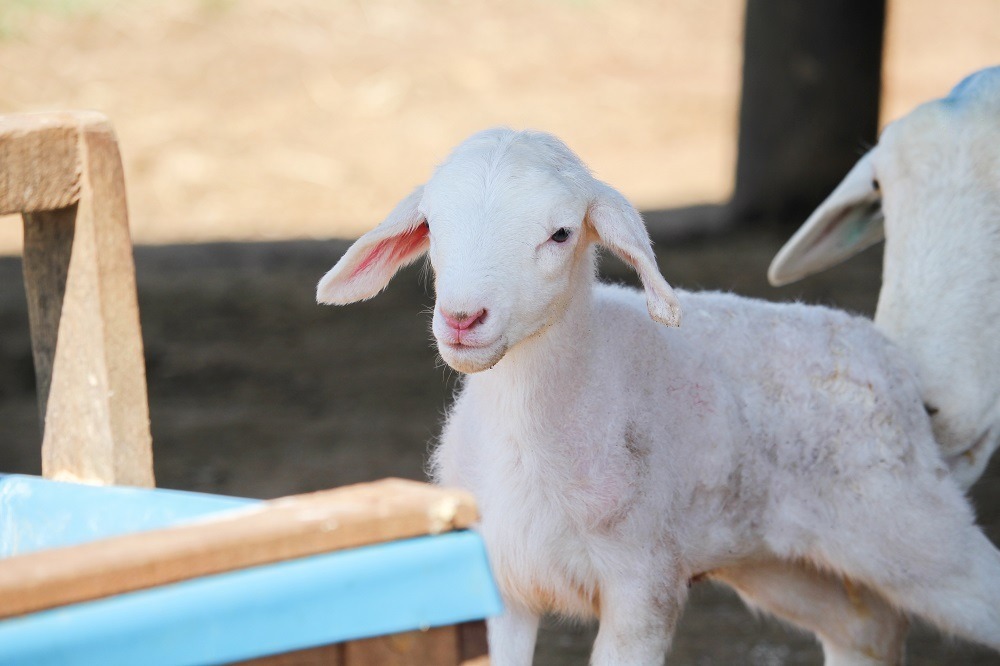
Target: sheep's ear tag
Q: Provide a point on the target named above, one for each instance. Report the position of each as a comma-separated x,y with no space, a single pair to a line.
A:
849,221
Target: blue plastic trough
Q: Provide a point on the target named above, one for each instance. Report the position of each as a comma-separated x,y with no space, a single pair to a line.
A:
370,591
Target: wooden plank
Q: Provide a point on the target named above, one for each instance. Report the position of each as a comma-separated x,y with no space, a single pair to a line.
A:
438,646
473,649
476,661
39,162
273,531
327,655
64,172
48,244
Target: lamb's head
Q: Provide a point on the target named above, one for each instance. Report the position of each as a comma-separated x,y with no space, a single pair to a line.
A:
509,220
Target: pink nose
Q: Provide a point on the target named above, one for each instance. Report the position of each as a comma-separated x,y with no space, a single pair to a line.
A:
463,321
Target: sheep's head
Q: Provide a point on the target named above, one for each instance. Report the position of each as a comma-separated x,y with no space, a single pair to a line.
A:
931,188
508,220
934,169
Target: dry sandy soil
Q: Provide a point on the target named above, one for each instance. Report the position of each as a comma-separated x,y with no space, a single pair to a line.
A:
261,119
308,119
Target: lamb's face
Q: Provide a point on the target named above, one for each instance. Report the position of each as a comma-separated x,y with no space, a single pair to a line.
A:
507,244
508,220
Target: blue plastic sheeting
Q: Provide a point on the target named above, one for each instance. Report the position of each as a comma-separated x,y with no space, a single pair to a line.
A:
36,513
375,590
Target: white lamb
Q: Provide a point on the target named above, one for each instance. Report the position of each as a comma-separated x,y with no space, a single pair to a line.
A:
931,188
614,460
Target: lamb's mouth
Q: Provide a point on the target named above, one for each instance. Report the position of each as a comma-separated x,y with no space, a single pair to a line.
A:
473,358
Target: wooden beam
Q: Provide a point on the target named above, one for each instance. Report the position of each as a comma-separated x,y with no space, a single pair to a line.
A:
48,245
63,172
273,531
454,645
39,160
438,646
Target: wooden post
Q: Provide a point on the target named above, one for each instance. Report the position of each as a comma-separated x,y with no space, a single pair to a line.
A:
63,172
810,102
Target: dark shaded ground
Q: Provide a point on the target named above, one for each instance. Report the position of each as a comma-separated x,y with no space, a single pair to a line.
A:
256,391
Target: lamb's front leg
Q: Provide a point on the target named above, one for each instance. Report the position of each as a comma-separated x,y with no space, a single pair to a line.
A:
638,617
512,637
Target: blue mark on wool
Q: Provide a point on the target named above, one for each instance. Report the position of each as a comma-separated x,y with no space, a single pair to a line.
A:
971,86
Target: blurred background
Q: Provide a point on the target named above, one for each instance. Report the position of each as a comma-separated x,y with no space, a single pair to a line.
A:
259,136
259,119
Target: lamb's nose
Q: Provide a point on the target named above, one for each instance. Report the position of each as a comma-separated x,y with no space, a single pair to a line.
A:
463,321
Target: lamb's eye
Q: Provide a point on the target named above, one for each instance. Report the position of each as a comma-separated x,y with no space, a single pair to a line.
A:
561,235
875,185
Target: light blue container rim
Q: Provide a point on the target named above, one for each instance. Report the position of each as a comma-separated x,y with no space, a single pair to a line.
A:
375,590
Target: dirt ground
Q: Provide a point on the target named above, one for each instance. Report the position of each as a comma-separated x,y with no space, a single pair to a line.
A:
291,123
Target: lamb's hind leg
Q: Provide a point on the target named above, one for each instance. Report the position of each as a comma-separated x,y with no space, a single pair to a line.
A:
919,548
855,626
957,589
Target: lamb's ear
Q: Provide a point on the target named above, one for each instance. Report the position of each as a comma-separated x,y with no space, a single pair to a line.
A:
369,264
619,227
847,222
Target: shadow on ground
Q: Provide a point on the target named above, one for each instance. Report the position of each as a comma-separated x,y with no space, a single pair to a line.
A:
256,391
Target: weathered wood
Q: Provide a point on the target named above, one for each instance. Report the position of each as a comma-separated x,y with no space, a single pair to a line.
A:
39,161
473,649
438,646
48,244
327,655
476,661
273,531
64,172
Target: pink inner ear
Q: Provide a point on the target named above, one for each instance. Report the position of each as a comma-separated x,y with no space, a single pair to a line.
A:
393,250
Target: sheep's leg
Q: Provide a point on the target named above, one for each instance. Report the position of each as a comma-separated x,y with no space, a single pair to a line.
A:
512,637
920,549
637,622
855,626
957,589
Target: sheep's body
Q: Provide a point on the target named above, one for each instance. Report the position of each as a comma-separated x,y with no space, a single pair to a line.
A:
756,432
750,432
614,459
